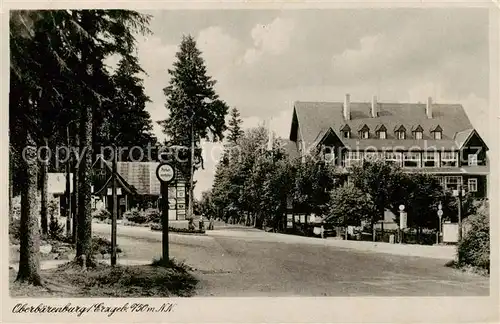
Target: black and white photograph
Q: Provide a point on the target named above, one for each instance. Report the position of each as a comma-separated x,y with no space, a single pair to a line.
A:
251,152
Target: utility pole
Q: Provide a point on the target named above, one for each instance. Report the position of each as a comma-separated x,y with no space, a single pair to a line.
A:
459,214
191,173
115,208
68,186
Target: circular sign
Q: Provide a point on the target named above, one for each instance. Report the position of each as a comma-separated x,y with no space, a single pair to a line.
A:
440,213
401,207
165,172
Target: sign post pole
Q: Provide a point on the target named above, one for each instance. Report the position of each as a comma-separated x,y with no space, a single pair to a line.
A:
165,174
402,223
440,230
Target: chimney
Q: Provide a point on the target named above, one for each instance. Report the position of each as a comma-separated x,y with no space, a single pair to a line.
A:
347,107
374,107
428,108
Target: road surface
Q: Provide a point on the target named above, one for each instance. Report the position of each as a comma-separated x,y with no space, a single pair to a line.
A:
246,262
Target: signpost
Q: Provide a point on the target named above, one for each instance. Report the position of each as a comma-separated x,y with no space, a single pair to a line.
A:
440,215
402,222
165,174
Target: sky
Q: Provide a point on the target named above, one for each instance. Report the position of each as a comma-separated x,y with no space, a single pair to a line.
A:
264,60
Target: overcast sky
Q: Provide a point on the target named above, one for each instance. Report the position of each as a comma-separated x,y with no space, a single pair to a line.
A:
263,61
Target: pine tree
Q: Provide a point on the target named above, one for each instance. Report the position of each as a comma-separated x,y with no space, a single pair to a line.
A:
235,131
195,110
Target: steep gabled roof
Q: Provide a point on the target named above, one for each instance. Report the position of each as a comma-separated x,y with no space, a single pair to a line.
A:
364,128
417,128
315,116
345,128
436,128
461,138
380,128
400,128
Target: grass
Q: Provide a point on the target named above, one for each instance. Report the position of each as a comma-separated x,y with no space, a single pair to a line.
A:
468,268
69,280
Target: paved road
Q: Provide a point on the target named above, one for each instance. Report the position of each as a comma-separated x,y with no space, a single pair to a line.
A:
254,263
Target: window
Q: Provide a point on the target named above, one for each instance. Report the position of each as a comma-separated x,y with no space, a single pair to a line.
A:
418,135
411,160
430,159
452,182
449,159
371,156
472,184
472,159
401,135
437,135
352,158
393,158
382,135
346,134
365,134
329,157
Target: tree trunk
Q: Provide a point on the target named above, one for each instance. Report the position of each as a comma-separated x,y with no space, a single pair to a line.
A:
374,231
382,224
11,189
84,236
45,191
29,259
74,205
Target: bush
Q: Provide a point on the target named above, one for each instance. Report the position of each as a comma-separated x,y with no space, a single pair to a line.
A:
101,214
135,216
152,215
101,245
474,249
56,230
158,227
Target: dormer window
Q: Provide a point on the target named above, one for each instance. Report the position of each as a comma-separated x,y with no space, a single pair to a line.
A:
364,132
400,132
346,131
418,132
437,132
381,132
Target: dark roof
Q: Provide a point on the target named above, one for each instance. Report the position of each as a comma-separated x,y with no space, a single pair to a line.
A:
417,128
316,117
345,128
137,177
399,128
380,128
436,128
363,128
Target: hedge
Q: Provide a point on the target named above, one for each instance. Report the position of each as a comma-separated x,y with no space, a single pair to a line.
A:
158,227
474,249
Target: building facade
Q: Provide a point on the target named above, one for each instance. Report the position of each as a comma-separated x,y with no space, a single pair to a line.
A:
433,138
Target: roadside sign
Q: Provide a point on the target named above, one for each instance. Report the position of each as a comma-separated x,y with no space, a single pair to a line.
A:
402,220
440,213
165,172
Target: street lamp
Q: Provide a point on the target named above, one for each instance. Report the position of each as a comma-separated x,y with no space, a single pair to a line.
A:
459,193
